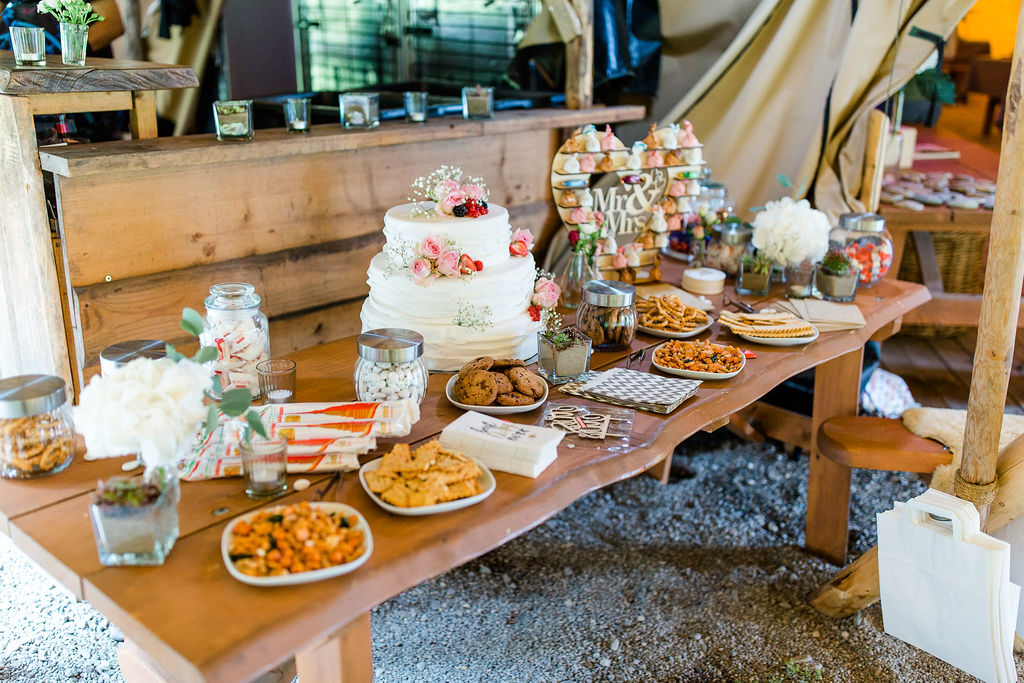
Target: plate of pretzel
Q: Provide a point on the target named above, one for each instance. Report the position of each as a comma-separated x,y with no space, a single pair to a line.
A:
667,316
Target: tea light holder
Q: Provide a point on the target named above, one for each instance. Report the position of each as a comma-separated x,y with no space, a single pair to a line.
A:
233,119
297,114
359,109
477,102
416,107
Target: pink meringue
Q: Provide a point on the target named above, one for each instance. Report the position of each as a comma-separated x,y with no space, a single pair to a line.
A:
686,136
587,164
654,159
578,215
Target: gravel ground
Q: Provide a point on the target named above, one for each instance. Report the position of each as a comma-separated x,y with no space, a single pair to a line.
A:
700,580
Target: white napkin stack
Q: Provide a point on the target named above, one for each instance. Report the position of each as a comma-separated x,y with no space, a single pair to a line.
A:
504,446
945,586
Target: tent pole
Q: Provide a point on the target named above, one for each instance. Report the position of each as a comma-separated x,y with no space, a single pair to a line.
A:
997,325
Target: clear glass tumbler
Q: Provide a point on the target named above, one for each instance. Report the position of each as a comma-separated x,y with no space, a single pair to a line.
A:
74,38
265,462
277,380
416,107
29,43
297,114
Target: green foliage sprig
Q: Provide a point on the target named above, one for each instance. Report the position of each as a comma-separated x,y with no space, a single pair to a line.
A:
70,11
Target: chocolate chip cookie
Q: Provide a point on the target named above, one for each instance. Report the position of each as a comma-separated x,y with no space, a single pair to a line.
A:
476,388
481,363
526,382
506,363
503,382
515,398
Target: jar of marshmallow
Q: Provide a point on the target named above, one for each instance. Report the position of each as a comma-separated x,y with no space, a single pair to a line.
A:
240,332
390,365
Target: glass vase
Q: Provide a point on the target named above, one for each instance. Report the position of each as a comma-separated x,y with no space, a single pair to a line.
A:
799,280
576,274
73,40
138,535
563,356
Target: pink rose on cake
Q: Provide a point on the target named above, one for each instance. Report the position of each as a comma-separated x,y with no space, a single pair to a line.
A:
445,187
473,192
421,272
431,247
448,264
521,242
450,201
545,293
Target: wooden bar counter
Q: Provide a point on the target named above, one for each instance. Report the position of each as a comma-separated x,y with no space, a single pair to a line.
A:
144,227
194,622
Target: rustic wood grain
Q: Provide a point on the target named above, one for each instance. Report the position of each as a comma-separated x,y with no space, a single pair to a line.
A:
98,75
347,657
877,443
69,103
579,59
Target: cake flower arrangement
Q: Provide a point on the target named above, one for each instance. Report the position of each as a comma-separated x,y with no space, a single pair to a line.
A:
545,297
451,196
435,258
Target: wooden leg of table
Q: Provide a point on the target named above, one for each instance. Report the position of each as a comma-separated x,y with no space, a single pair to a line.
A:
661,469
899,242
836,392
136,666
143,114
346,657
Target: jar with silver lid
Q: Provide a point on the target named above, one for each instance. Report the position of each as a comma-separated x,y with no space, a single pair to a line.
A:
122,353
608,314
37,436
240,332
390,365
865,240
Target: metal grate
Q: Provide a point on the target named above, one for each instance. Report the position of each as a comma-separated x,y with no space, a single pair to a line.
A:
346,44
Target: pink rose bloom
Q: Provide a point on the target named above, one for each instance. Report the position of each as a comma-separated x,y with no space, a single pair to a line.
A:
619,260
545,293
675,221
448,264
524,236
431,247
598,217
420,270
473,192
450,201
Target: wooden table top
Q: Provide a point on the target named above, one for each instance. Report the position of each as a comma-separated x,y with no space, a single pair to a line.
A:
198,622
98,75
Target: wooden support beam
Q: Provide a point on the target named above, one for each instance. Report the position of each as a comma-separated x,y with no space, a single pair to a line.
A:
928,262
579,59
874,159
346,657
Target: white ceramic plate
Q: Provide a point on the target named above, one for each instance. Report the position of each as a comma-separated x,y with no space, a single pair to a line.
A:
486,481
676,255
301,577
781,341
677,335
693,374
494,410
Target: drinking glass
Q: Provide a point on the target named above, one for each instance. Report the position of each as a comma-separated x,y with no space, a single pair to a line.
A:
416,107
277,380
265,462
29,44
296,114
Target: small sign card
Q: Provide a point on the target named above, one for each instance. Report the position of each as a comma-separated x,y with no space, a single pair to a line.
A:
525,450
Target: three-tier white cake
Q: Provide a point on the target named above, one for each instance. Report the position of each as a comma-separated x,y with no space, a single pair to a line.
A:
461,315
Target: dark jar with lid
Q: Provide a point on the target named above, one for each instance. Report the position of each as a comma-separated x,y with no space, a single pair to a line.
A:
608,314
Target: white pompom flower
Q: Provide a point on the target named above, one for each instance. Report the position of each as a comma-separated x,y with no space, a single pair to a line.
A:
789,231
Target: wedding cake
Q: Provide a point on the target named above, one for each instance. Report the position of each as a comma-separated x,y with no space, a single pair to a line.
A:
453,270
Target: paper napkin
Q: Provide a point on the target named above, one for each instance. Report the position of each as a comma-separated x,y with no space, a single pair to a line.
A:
635,389
525,450
827,316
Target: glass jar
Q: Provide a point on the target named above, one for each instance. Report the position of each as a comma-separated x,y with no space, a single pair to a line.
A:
37,436
608,313
240,332
864,238
727,247
120,354
390,365
570,281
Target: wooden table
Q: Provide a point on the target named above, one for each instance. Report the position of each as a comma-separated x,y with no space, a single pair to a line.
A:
189,620
945,308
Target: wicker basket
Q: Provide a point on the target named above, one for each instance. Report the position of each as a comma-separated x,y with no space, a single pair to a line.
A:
961,258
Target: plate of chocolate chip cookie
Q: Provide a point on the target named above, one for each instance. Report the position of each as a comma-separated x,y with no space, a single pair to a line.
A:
496,386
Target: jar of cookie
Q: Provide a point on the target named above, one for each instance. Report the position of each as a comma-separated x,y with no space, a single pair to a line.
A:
390,365
37,436
608,313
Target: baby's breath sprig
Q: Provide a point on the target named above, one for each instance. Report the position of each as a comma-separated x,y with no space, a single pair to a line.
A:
476,318
429,187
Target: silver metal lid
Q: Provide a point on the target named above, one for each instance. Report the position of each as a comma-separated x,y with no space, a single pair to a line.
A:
609,293
122,353
871,222
28,395
734,234
390,345
849,220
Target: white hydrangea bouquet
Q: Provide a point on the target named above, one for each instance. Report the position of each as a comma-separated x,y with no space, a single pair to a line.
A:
69,11
789,231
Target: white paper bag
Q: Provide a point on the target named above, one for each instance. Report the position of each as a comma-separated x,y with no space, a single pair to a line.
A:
945,586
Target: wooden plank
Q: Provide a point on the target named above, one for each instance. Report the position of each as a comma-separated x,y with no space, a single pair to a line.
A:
32,337
836,393
874,159
579,59
930,381
68,103
288,281
143,114
198,150
953,309
98,75
877,443
346,657
237,210
762,421
930,273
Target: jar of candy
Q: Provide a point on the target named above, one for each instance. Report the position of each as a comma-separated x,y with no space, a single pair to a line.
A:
608,314
728,246
37,436
864,239
390,365
238,329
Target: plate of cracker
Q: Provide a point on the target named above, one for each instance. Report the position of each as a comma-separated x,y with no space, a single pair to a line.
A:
425,481
770,327
699,360
284,545
496,386
667,316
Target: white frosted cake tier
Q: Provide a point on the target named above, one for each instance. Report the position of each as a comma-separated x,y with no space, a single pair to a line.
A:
485,238
505,289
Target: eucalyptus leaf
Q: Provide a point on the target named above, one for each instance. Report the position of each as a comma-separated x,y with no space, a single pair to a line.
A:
784,180
256,424
172,353
205,354
235,402
212,413
191,321
217,386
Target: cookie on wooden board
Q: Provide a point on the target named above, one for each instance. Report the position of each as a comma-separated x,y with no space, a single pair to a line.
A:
526,382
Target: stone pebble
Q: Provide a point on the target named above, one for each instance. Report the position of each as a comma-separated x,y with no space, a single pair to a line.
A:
391,381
